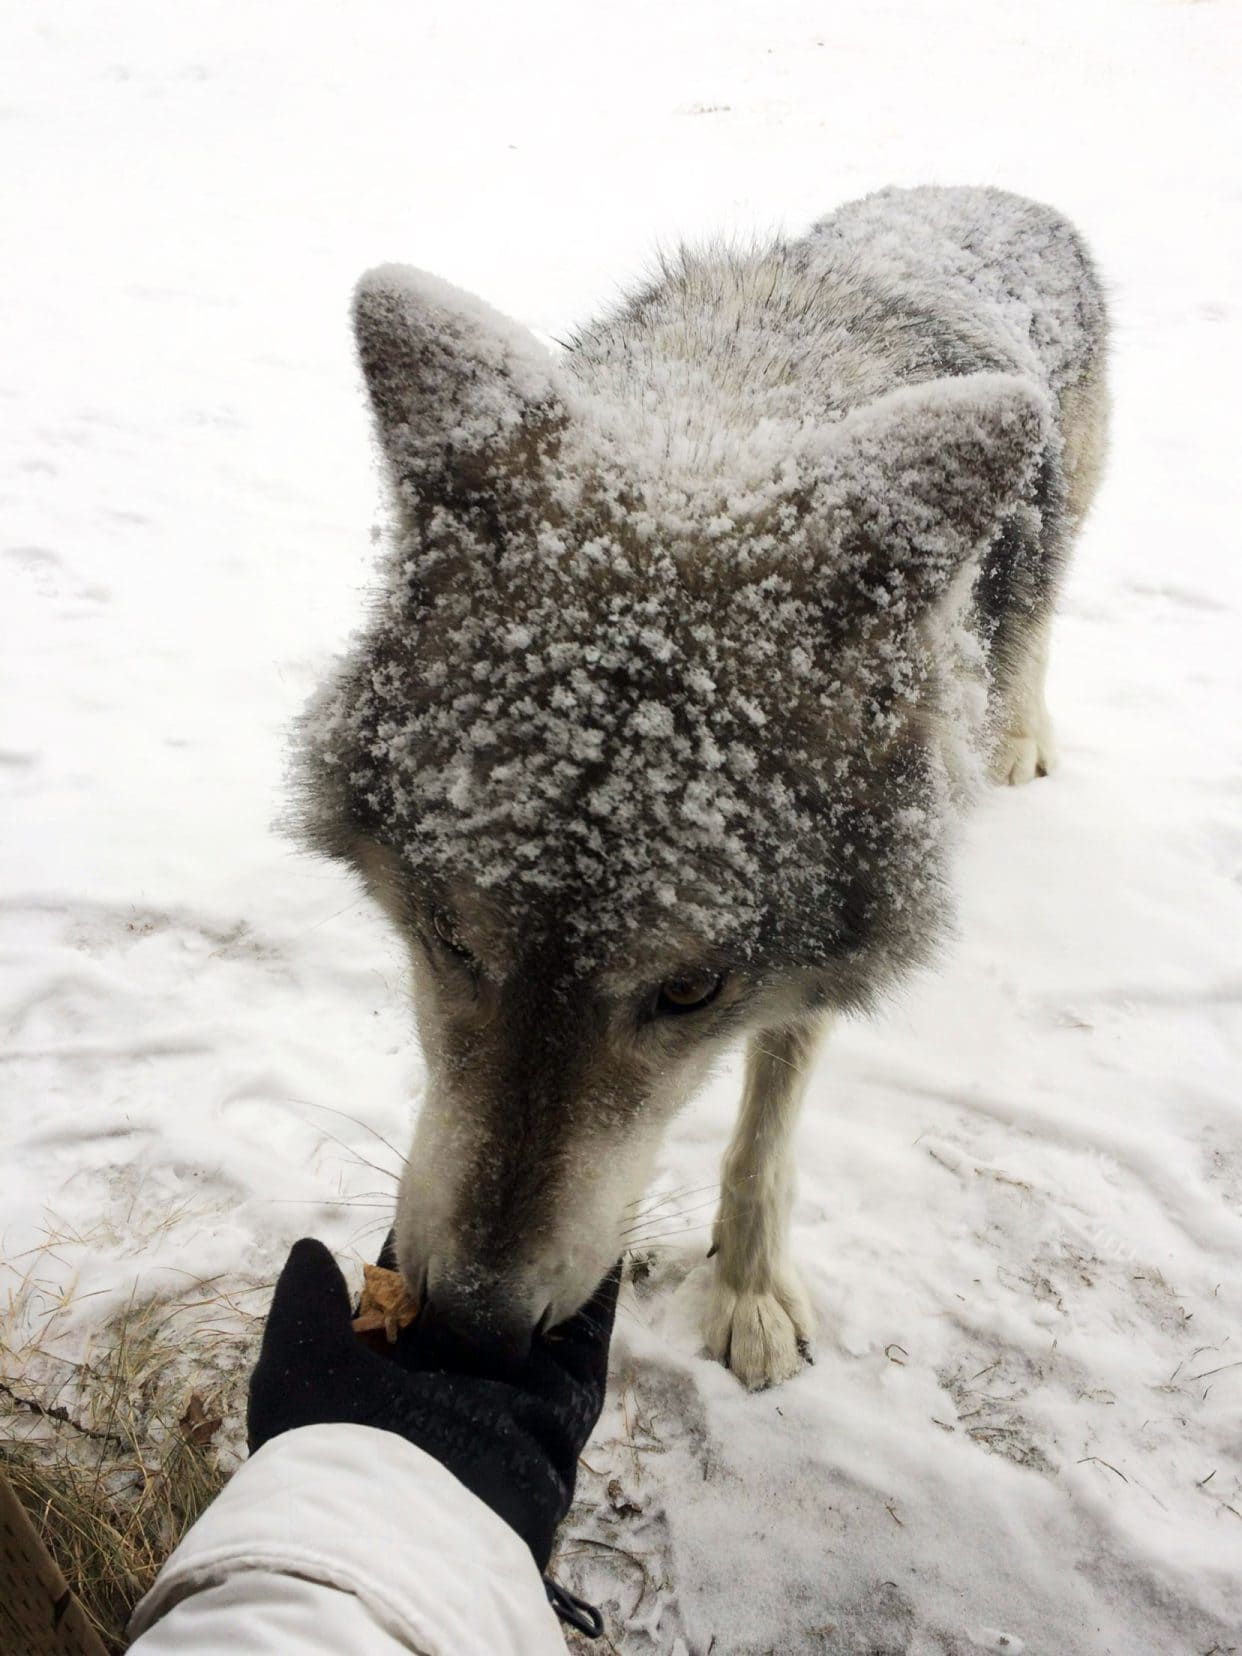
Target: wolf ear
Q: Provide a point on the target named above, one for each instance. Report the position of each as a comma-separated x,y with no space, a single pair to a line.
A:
922,479
459,392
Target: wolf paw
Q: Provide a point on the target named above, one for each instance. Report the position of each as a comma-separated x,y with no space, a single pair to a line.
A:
761,1337
1020,756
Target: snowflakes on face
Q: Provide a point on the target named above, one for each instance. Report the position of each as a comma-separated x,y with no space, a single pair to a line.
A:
669,636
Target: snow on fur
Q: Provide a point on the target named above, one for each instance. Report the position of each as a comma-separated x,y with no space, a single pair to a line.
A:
664,640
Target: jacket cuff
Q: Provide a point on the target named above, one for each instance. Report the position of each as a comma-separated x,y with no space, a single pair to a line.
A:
365,1512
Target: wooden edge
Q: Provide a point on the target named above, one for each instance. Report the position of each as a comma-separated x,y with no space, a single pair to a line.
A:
39,1616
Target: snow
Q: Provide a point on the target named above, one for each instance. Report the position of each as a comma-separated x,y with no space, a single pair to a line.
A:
1020,1188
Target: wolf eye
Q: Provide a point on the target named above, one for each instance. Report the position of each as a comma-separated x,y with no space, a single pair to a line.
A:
445,929
688,992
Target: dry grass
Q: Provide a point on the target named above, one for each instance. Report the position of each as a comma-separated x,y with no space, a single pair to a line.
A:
110,1527
116,1433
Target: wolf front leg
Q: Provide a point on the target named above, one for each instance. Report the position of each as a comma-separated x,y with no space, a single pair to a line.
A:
1024,747
758,1318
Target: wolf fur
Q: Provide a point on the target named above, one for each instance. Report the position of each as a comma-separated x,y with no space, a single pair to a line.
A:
692,643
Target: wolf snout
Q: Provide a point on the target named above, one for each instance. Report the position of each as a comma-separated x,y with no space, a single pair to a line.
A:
494,1319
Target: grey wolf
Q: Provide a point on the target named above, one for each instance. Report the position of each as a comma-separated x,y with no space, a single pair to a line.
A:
694,640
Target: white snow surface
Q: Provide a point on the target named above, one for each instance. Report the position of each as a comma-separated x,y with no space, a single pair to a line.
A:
1020,1190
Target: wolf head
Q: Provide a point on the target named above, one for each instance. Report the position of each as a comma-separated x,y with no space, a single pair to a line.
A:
645,744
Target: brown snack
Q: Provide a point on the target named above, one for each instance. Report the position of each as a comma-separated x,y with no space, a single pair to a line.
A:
384,1304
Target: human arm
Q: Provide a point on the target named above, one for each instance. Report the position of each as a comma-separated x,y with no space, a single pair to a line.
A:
388,1497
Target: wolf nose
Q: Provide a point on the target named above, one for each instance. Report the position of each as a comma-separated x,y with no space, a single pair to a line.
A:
486,1325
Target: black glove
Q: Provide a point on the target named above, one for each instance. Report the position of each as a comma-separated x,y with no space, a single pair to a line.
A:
512,1436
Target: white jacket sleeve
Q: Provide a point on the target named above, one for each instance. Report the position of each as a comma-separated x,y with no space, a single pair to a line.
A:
347,1538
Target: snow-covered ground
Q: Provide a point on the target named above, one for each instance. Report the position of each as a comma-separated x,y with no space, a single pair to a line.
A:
1020,1209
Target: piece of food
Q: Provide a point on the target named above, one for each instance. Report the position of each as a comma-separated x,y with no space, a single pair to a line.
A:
384,1304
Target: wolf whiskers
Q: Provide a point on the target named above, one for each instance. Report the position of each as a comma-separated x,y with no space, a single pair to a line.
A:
640,1212
668,1220
358,1122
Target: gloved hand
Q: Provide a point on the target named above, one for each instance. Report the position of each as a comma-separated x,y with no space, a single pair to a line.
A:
513,1437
